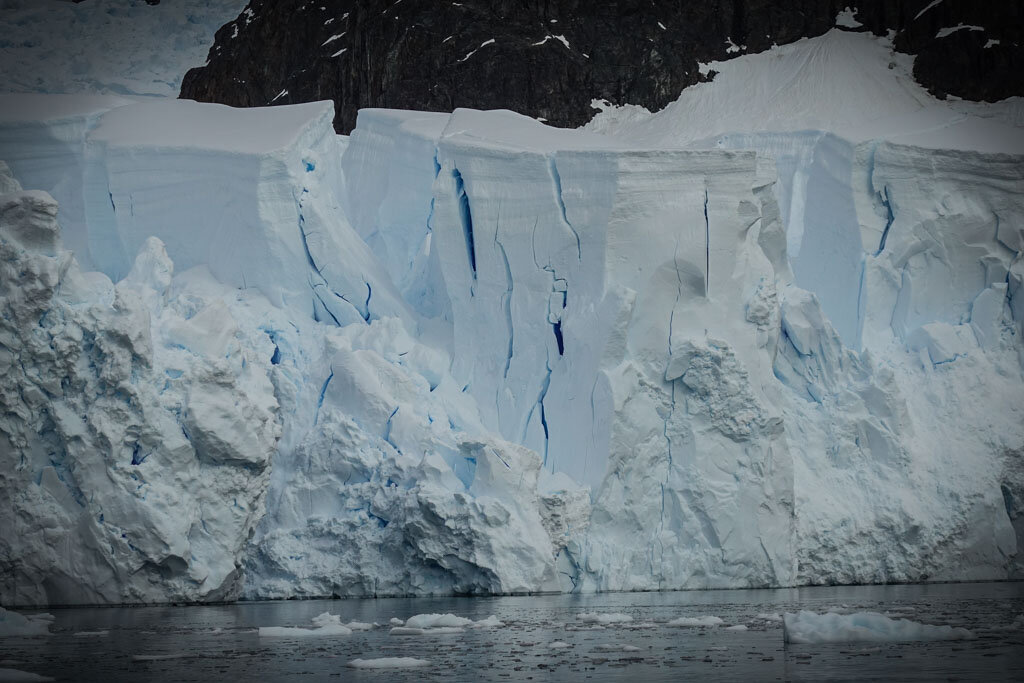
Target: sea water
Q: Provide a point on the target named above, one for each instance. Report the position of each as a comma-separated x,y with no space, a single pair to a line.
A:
222,643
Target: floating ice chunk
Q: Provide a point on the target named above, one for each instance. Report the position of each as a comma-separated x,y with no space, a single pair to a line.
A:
15,624
808,627
559,645
1015,625
437,621
769,617
16,675
404,631
490,622
696,621
736,627
598,618
388,663
395,621
327,624
616,647
360,626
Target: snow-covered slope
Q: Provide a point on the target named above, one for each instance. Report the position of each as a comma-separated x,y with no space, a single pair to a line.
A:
775,354
117,47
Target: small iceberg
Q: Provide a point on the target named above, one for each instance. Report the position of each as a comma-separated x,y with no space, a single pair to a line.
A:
326,624
809,627
705,621
388,663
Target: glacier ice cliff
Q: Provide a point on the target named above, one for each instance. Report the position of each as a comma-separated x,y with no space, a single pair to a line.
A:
467,353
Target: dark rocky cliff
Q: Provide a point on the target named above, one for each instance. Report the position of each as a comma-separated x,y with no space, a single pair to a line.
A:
551,58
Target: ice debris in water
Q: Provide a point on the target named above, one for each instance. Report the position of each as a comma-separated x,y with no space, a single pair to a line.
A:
598,618
696,621
421,624
388,663
809,627
16,624
326,624
616,647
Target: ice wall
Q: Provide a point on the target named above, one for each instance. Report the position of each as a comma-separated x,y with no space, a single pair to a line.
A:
489,356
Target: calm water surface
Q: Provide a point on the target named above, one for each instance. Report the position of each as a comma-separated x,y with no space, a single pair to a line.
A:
220,643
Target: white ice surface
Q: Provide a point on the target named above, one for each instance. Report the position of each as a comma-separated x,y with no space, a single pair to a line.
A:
809,627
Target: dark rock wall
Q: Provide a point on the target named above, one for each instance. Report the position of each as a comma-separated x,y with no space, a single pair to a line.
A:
431,55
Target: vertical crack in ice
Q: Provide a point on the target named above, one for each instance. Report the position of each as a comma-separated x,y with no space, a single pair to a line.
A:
889,219
323,304
430,215
679,294
539,403
543,417
369,293
668,475
323,392
557,327
387,430
556,179
860,296
466,218
707,245
507,303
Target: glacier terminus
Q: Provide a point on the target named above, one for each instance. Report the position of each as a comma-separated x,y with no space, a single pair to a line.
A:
751,340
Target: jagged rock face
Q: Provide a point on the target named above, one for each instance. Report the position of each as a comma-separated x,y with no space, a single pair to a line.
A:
551,59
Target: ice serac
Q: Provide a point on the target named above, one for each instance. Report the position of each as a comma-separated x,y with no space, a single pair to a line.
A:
139,423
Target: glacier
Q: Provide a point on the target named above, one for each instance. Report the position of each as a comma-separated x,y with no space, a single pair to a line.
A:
467,353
